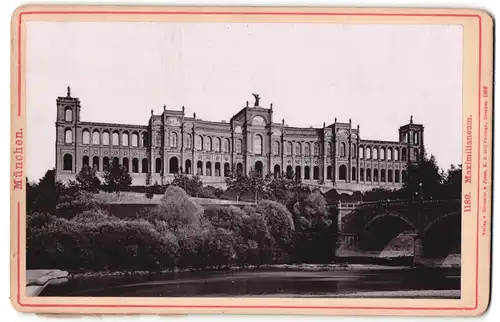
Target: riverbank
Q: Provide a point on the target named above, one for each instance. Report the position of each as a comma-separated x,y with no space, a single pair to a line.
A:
38,279
293,267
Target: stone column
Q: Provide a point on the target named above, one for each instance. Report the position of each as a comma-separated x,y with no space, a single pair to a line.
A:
418,250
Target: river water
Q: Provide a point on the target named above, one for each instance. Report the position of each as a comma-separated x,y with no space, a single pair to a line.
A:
267,282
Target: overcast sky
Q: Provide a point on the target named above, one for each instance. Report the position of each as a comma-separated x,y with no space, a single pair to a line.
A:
377,75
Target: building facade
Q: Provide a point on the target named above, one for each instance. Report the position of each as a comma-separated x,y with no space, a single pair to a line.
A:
170,143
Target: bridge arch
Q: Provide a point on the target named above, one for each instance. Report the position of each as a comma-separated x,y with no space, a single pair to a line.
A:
449,225
391,229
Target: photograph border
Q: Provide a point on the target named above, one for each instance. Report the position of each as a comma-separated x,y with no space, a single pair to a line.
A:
483,125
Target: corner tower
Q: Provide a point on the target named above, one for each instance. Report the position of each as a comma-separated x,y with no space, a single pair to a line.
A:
412,135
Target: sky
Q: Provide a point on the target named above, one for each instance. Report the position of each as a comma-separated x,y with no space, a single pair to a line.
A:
377,75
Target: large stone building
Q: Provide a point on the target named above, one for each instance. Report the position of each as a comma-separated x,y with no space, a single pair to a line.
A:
331,156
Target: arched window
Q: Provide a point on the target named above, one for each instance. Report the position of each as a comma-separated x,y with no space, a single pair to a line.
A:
289,172
199,168
416,138
298,172
135,139
239,146
68,136
105,138
361,152
404,154
217,169
189,141
217,144
307,149
396,176
353,173
227,169
68,115
361,174
369,175
158,139
375,174
289,148
415,153
396,154
276,148
316,149
403,176
105,163
389,175
277,171
124,139
239,169
86,137
227,145
144,168
173,165
116,138
382,175
368,153
158,165
208,169
329,172
342,172
85,161
298,148
135,165
307,173
188,167
382,154
257,145
329,149
375,153
126,164
67,162
144,137
198,143
342,149
316,173
173,139
95,163
95,137
389,154
116,162
353,151
208,144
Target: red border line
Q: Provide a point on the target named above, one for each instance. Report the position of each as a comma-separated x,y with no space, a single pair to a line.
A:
19,109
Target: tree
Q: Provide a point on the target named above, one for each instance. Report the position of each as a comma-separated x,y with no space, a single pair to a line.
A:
117,178
256,183
237,184
424,179
280,222
178,210
43,196
191,185
453,181
87,179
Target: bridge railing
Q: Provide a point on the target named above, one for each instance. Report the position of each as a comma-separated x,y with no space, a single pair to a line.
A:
345,205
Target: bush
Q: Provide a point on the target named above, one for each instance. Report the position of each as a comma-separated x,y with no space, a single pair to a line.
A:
111,245
75,202
230,218
177,210
279,220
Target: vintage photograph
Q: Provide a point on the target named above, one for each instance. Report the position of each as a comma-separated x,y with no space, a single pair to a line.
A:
244,159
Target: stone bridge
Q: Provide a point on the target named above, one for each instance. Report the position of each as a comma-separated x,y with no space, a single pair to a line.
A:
432,226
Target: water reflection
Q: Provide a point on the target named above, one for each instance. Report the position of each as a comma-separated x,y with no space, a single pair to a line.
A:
280,283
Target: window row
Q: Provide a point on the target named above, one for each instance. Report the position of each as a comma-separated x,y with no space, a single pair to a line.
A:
106,139
366,176
389,154
408,136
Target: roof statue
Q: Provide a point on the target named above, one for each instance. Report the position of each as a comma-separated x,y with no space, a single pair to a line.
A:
257,99
68,94
411,119
164,107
